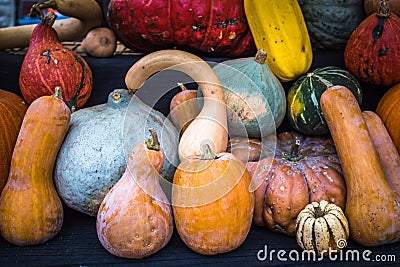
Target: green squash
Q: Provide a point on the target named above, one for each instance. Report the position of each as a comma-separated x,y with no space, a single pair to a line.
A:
255,98
330,22
303,109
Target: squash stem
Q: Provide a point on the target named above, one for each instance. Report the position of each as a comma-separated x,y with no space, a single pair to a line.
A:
153,143
261,56
182,86
294,152
206,152
384,10
58,92
36,11
317,210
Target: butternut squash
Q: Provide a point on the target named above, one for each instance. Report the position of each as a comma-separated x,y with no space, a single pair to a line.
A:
279,28
387,152
372,206
210,125
30,209
84,15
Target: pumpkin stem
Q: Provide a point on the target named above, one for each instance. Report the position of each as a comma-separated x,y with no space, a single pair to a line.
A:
153,143
260,56
384,10
36,11
206,152
58,92
294,152
182,86
317,210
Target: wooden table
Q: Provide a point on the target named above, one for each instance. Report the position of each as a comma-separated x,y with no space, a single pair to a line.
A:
77,243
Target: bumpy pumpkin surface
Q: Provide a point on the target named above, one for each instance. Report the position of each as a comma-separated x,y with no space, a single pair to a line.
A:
297,171
93,156
214,27
331,22
12,111
372,52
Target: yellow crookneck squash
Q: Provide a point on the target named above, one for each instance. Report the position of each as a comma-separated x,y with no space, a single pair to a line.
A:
278,27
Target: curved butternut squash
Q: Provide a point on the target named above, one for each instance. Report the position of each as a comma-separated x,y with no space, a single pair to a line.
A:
84,16
30,209
210,126
372,206
279,28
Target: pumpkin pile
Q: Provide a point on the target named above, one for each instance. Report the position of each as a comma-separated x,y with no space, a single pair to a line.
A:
219,163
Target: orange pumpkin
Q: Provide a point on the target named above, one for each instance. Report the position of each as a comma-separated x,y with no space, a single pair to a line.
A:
389,111
212,204
12,111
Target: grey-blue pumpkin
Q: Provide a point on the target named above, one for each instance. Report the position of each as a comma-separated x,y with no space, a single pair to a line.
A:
94,154
254,97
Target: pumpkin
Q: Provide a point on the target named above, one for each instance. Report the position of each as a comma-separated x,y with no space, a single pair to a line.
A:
303,109
372,6
217,28
211,202
245,149
322,227
389,110
278,27
83,15
254,97
30,210
135,219
12,112
104,135
372,51
99,42
210,125
331,22
48,63
378,221
294,171
183,108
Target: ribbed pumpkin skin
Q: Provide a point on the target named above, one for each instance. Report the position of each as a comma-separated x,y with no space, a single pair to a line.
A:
12,111
287,183
372,53
216,27
304,112
331,22
389,111
213,215
48,64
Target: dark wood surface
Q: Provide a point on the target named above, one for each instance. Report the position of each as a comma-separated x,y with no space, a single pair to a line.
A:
77,243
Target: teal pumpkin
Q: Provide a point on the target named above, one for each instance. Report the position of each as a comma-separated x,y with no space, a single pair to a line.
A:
94,154
303,109
330,22
254,97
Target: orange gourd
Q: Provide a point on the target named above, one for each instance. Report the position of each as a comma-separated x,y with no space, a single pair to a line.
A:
30,209
135,218
12,111
212,204
372,206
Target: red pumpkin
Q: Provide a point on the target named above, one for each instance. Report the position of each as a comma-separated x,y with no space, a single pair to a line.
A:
215,27
49,64
294,171
372,53
12,112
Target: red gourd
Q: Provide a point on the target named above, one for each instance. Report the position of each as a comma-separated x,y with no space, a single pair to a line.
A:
214,27
48,63
372,53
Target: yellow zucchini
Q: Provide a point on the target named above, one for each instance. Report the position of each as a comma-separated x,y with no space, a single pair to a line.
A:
278,27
